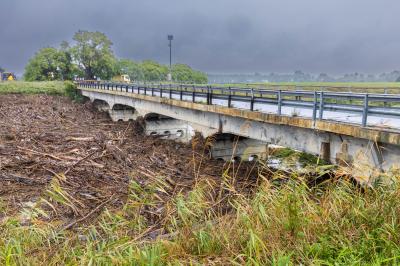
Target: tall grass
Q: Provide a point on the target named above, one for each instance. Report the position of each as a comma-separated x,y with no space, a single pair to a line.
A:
282,222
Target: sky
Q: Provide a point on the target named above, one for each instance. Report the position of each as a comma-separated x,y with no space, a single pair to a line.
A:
216,36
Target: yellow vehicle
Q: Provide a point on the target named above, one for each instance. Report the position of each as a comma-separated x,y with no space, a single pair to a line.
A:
8,76
122,78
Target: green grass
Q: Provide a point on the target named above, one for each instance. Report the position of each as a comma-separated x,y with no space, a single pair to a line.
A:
371,87
66,88
305,159
50,87
332,224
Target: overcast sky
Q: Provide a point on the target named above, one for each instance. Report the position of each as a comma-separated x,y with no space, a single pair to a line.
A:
217,36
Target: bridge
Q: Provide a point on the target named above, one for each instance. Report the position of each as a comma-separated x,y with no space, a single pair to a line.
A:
339,127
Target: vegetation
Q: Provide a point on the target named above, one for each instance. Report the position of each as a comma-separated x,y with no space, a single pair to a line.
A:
131,68
49,87
50,64
91,57
93,54
152,71
305,160
282,222
182,73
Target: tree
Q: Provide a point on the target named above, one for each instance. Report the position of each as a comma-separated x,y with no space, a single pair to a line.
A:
184,73
153,71
69,69
131,68
93,54
2,70
47,64
398,79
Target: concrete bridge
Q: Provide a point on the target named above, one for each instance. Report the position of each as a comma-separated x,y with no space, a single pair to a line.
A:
340,127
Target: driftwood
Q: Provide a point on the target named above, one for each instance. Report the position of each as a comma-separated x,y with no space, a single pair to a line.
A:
19,179
69,226
83,159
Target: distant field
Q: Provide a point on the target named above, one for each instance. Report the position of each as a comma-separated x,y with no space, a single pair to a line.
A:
372,87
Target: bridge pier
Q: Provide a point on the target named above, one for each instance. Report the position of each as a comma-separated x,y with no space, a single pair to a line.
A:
100,105
229,147
169,129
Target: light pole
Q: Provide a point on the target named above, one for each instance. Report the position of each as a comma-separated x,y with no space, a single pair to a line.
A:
170,38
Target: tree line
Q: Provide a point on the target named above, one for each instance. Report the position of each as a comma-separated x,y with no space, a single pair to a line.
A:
91,57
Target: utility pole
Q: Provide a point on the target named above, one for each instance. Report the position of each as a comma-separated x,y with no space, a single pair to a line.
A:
170,38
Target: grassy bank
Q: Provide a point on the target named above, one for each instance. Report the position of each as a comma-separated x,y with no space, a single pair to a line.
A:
50,87
60,88
280,222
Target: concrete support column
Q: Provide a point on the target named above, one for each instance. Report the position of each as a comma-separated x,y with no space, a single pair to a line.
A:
239,149
326,151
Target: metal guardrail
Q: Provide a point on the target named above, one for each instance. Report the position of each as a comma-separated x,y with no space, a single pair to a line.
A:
365,104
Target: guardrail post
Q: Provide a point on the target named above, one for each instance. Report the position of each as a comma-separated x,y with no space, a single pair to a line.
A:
208,95
161,91
314,114
193,96
252,100
170,91
126,88
321,105
211,95
152,90
385,104
279,102
365,111
297,97
108,86
145,90
230,98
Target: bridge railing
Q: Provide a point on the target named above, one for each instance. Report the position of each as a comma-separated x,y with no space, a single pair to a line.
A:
320,102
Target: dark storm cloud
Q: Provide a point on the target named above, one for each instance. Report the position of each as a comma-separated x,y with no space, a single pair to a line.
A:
333,36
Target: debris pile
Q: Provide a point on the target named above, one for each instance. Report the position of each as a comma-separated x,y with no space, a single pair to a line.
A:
51,147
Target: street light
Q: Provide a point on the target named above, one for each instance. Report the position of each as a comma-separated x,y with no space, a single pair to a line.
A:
170,38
